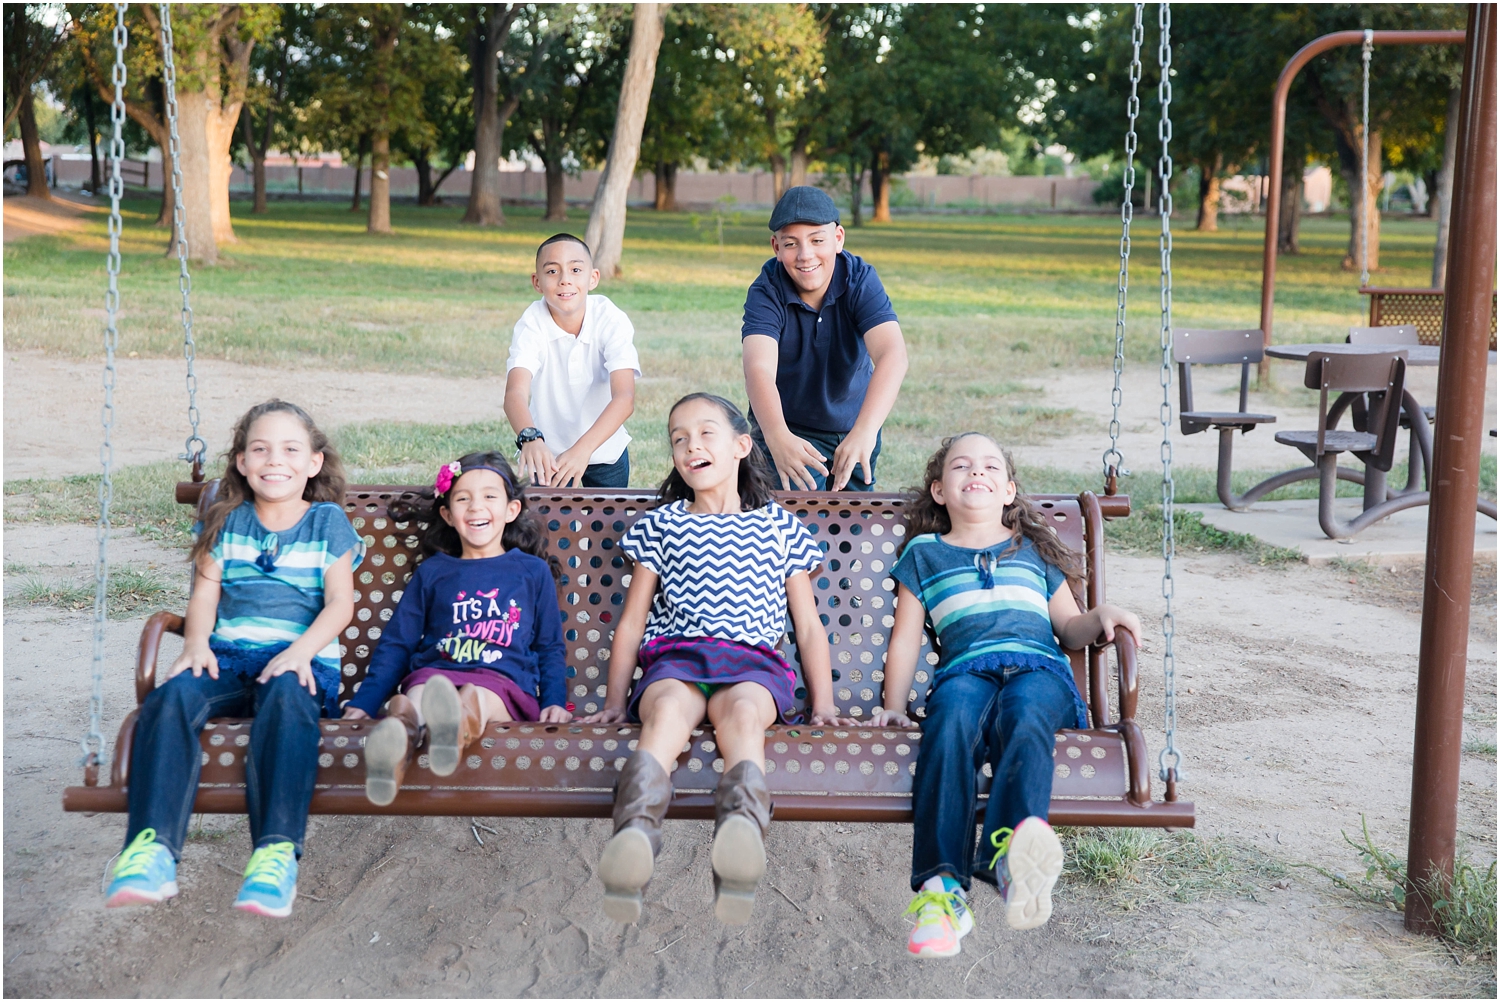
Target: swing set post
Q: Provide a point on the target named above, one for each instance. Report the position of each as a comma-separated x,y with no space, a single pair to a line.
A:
1304,55
1449,577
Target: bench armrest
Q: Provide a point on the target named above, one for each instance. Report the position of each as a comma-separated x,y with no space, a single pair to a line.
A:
1125,657
145,662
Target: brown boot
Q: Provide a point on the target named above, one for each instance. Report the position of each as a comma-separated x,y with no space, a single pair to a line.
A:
742,813
454,722
642,795
390,748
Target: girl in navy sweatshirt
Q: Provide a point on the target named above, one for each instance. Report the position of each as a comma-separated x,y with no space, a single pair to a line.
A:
477,636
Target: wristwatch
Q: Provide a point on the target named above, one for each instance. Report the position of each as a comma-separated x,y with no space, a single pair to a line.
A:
529,435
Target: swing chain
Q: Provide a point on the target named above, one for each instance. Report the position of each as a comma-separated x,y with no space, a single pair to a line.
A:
93,742
1114,461
1170,760
196,447
1365,51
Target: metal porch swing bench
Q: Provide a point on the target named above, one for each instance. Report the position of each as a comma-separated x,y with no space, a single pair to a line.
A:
855,773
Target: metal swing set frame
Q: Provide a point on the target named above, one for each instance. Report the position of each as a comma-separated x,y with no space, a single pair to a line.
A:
859,773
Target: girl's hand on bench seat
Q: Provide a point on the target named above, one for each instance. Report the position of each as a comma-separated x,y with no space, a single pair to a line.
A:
608,715
554,715
828,716
354,713
890,718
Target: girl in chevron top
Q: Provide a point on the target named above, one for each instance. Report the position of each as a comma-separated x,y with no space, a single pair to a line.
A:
718,566
984,572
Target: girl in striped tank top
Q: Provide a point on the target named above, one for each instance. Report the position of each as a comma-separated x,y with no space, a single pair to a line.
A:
273,586
984,573
718,566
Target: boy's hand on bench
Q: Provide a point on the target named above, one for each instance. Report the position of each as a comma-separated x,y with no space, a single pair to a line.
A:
569,467
537,465
792,456
853,451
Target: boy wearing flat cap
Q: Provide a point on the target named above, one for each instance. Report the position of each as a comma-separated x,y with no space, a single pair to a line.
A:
823,351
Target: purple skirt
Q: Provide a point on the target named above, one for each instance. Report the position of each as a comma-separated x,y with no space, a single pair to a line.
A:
520,704
708,661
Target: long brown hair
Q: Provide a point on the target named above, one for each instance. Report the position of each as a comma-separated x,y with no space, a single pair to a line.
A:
525,533
754,476
924,515
234,490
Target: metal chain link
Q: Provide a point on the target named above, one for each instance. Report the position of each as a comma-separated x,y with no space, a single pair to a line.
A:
1170,760
1114,461
93,742
196,448
1364,165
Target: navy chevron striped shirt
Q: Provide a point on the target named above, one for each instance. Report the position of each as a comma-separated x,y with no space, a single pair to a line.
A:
722,576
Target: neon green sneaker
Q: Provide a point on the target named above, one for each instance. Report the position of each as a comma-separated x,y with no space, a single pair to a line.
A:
144,874
270,884
943,919
1028,860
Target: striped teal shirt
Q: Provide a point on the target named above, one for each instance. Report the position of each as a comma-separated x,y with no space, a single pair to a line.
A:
273,581
984,602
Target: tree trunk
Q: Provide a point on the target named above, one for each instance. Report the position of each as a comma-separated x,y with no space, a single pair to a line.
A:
880,187
666,186
359,167
1209,194
605,233
778,174
1364,212
95,178
557,203
799,157
856,194
489,119
36,168
425,193
380,184
1443,195
387,25
197,179
1289,229
257,165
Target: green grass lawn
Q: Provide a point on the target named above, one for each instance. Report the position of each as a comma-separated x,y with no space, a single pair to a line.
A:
984,300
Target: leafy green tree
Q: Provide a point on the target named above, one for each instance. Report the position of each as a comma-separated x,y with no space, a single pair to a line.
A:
570,84
434,54
31,47
687,118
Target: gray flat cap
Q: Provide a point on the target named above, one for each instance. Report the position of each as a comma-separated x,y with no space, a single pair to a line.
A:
804,204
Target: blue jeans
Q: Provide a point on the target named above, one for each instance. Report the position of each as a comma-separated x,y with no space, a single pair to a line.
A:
825,442
281,763
608,475
1006,717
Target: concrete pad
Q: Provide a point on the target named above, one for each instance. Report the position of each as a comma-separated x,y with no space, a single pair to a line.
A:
1294,525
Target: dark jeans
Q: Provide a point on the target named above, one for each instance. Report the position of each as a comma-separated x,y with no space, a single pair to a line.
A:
1006,717
281,763
825,442
608,475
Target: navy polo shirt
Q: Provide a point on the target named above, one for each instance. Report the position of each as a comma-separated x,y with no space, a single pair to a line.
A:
824,369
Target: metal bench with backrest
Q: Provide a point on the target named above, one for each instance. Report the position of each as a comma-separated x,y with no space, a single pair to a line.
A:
1400,334
856,773
1219,347
1379,379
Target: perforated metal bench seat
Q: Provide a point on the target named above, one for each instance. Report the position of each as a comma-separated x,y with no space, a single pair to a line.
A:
853,773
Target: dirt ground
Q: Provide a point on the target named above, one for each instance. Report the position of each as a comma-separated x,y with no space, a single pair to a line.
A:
1295,716
25,216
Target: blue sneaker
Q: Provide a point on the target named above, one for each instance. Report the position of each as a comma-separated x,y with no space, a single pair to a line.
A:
270,884
144,874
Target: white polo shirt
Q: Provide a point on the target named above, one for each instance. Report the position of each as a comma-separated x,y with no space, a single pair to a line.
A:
570,375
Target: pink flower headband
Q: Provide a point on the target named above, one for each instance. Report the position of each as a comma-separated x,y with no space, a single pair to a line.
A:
452,471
